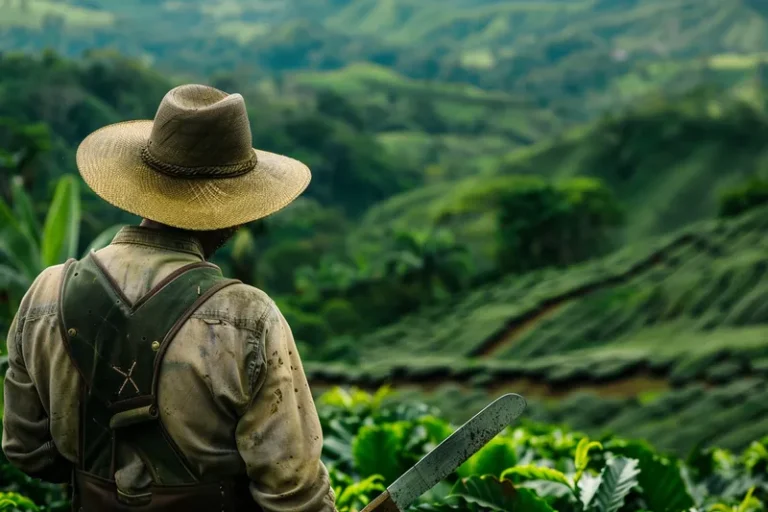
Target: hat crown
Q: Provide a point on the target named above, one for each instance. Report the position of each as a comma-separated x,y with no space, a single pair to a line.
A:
200,131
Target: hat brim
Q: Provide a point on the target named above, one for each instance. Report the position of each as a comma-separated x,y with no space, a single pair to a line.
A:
110,162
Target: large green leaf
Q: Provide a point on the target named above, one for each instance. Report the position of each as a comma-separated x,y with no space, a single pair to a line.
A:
61,230
104,238
14,284
533,472
490,492
588,485
17,246
664,488
618,478
25,212
359,494
11,502
437,429
581,458
378,450
492,459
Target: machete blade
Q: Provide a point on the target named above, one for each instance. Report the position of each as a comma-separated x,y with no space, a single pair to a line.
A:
455,449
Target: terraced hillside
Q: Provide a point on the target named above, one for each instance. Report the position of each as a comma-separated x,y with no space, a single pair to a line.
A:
655,336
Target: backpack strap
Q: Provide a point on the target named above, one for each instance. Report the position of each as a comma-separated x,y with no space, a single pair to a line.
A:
117,348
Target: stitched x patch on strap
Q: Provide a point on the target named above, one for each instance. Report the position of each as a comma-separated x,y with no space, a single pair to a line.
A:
128,378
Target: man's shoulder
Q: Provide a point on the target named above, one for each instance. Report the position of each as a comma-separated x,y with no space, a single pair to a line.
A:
42,296
240,304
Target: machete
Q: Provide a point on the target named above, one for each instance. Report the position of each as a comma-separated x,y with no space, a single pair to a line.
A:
449,455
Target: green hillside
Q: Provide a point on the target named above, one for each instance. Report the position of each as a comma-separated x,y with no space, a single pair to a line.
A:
655,335
558,52
458,129
667,159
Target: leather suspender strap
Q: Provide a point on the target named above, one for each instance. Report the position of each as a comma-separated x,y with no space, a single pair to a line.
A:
177,325
117,347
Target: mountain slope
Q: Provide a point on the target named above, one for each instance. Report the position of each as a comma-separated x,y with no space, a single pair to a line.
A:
667,160
456,128
635,342
553,50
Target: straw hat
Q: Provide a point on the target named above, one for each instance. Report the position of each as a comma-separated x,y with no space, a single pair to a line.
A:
193,167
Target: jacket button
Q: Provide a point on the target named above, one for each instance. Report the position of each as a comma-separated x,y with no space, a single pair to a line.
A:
72,331
155,346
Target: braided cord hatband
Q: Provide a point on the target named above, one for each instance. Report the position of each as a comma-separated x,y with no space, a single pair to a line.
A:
207,172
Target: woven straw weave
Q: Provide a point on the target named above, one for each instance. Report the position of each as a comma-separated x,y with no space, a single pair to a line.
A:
193,167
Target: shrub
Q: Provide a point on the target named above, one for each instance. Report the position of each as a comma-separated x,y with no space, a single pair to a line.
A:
542,224
341,316
369,441
737,200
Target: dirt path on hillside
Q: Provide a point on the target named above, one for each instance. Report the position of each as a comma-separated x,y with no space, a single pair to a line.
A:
515,330
528,320
632,384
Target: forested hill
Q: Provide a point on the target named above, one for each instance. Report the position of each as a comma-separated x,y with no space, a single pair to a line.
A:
558,53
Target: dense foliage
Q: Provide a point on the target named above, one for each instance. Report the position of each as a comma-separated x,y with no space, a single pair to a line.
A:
542,225
477,221
661,333
370,440
737,200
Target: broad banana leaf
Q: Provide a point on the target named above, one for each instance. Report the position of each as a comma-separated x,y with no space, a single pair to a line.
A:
61,230
23,208
17,246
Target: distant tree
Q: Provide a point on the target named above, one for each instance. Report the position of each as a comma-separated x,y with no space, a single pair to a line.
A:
335,105
424,114
330,278
28,246
280,263
737,200
341,316
542,224
309,329
432,258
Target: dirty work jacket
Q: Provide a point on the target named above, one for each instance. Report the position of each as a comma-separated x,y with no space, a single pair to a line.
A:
233,394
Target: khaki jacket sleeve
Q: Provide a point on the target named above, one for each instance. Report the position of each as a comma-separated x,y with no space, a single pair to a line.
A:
279,436
27,441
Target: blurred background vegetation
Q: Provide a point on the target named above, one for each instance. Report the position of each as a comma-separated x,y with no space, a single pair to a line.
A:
561,198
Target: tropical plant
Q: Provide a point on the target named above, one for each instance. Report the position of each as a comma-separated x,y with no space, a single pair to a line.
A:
548,468
14,502
27,247
748,504
370,439
433,258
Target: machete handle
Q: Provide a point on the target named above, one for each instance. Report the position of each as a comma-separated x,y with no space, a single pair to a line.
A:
382,503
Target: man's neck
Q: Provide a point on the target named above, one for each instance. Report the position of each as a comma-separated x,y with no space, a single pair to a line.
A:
209,240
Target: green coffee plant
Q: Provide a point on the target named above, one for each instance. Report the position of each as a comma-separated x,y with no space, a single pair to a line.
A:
14,502
529,468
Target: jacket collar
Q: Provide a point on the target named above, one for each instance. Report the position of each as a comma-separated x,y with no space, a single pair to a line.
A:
160,239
